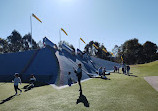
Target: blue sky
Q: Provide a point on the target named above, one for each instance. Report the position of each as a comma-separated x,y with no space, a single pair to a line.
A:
110,22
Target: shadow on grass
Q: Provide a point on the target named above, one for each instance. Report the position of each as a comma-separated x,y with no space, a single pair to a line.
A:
7,99
133,75
104,78
29,86
130,74
82,99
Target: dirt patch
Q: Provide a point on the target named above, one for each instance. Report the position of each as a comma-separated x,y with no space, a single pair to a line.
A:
153,81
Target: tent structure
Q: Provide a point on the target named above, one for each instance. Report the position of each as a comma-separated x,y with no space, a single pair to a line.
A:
48,64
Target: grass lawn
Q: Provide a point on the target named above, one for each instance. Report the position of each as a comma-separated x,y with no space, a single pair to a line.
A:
121,93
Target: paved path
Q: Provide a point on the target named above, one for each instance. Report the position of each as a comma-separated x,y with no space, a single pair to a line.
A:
153,81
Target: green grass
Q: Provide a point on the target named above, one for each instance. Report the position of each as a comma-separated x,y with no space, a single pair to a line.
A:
121,93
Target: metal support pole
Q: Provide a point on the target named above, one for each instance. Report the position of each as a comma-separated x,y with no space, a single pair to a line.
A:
60,38
31,30
60,34
79,43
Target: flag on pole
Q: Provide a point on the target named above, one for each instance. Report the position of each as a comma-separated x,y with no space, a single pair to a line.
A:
64,31
36,18
121,58
82,40
104,50
95,46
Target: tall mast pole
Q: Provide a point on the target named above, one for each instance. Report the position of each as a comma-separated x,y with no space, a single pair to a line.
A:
59,35
79,43
31,30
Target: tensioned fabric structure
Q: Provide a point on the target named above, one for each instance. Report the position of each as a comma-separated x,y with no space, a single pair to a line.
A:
49,64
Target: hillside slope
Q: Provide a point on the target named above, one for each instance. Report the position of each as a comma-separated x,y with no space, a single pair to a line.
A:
121,93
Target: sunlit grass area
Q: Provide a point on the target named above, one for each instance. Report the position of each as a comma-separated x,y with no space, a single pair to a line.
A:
121,93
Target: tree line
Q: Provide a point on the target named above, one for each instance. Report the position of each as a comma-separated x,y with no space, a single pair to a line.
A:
91,50
15,43
131,51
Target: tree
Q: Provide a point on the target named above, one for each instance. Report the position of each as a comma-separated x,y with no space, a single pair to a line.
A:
149,51
131,51
27,42
135,53
115,50
40,44
3,46
91,50
14,41
102,54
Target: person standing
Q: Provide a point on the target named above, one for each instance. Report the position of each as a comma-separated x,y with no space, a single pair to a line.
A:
79,75
17,80
123,68
128,69
117,68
